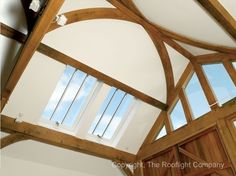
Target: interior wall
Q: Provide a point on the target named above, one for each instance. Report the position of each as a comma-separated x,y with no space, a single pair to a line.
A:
12,167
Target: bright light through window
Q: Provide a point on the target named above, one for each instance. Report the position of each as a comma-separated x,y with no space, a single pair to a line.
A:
177,116
162,133
113,110
234,64
220,82
69,97
196,97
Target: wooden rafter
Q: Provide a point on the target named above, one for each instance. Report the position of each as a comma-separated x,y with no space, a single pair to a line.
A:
186,106
30,46
50,52
214,58
66,141
221,15
205,122
11,139
91,14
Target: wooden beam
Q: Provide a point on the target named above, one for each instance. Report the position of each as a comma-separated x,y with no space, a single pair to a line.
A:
186,106
54,54
91,14
214,58
63,140
217,11
12,33
126,171
205,122
30,46
11,139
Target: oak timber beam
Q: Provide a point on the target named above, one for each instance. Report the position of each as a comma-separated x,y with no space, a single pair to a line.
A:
91,14
57,55
214,58
30,46
11,139
205,122
63,140
217,11
12,33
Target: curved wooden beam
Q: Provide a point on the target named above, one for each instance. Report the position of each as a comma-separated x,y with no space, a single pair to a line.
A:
91,14
11,139
165,59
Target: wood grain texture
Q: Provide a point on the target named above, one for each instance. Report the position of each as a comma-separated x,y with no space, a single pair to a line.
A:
66,141
11,139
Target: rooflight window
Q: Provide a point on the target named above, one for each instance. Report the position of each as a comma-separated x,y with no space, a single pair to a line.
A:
113,110
69,97
177,116
196,97
162,133
220,82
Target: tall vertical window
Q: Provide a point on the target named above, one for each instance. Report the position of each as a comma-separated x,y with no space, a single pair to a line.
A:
220,82
113,110
196,97
69,97
162,133
177,116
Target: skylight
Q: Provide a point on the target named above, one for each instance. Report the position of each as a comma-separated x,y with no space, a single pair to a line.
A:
113,110
196,97
220,82
69,97
177,116
162,133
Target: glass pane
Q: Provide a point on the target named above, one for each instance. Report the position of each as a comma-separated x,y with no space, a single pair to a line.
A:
234,63
196,97
118,116
102,109
177,116
80,101
109,113
60,88
161,133
220,82
68,97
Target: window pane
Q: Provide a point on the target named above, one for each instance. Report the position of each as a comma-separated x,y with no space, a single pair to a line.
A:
161,133
196,97
80,101
177,116
220,82
111,113
68,97
60,88
234,63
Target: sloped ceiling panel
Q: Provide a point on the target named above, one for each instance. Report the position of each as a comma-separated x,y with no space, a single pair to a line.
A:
83,4
178,62
120,49
186,18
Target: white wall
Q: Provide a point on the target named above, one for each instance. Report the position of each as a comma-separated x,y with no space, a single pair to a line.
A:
13,167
